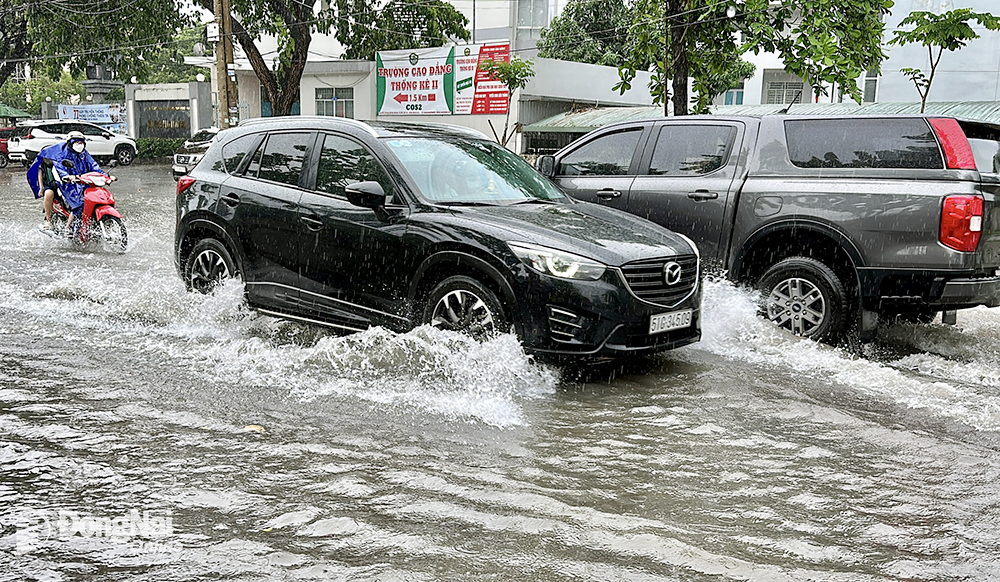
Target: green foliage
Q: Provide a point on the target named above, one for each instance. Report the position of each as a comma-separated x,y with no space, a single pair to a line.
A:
821,41
515,74
75,33
14,42
364,29
950,31
29,95
588,31
154,147
167,66
724,72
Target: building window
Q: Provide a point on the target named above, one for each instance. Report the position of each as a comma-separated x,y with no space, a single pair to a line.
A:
785,92
734,96
530,17
871,86
335,102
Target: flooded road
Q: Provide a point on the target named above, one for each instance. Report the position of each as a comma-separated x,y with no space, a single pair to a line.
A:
147,433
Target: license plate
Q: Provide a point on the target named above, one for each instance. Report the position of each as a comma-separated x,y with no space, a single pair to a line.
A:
669,321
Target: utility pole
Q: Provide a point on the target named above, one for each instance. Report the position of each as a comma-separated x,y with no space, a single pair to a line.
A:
227,98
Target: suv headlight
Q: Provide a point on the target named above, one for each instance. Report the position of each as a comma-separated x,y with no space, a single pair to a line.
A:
557,263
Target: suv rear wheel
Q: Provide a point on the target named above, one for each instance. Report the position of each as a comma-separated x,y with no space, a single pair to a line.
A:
465,305
208,265
805,297
124,154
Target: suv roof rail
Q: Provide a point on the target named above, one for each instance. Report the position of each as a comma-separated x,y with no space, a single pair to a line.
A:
323,118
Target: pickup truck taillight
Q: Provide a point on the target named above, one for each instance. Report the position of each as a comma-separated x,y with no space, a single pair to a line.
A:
962,222
957,151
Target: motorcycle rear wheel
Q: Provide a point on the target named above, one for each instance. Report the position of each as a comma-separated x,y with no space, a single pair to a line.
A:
114,235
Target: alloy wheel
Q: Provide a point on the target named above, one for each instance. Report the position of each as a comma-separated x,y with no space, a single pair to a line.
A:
208,269
463,311
797,305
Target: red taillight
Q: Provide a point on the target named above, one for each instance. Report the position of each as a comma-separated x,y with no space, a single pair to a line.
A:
183,183
962,222
957,151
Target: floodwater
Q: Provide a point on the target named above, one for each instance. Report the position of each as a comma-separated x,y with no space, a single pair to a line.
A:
147,433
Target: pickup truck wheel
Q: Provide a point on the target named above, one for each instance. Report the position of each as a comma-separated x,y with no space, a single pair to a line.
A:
805,297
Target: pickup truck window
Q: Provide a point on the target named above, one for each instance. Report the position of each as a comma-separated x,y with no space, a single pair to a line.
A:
863,143
685,150
608,155
984,140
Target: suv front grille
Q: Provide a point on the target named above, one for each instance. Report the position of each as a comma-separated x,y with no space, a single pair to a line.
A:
647,282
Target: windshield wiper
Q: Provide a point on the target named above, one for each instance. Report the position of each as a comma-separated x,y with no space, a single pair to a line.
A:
465,203
533,201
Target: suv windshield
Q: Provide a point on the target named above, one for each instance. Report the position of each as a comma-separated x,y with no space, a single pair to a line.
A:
470,172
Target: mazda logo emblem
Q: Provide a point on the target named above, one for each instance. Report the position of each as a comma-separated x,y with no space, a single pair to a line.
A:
671,273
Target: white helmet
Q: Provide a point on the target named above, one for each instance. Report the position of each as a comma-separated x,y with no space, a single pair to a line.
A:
75,136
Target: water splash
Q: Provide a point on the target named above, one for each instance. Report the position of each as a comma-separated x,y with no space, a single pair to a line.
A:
946,377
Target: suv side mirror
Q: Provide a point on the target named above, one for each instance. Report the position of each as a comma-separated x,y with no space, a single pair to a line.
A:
368,194
106,135
546,166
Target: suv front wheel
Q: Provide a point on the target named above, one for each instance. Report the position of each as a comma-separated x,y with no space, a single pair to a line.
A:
465,305
805,297
208,265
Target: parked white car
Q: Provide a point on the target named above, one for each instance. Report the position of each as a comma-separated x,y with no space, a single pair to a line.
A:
34,135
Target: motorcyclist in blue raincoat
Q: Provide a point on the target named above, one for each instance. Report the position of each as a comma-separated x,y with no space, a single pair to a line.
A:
46,179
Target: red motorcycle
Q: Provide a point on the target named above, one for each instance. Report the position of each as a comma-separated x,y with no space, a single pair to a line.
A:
100,221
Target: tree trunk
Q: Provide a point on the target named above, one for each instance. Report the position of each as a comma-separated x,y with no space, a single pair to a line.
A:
281,86
678,70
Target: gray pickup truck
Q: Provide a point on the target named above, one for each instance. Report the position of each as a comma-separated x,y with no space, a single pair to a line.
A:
840,222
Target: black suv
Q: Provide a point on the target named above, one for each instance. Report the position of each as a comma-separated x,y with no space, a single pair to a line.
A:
352,225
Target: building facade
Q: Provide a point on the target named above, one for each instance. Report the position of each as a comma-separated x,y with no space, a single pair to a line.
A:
969,74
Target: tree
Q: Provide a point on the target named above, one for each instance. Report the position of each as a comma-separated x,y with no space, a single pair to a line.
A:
14,43
822,41
950,31
515,75
29,95
358,25
168,66
588,31
74,33
400,24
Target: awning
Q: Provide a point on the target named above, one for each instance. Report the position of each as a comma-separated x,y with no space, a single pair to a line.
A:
8,112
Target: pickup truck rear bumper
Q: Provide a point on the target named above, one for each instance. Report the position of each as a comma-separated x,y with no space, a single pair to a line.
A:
963,292
893,290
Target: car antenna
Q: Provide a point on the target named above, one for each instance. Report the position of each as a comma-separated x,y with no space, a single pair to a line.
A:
794,99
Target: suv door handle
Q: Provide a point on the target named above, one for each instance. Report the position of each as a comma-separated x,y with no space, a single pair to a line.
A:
312,223
608,194
703,195
230,199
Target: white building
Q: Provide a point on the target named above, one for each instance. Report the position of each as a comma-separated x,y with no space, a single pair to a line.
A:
332,86
970,74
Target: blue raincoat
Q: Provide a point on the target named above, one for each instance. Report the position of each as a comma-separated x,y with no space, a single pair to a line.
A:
82,163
